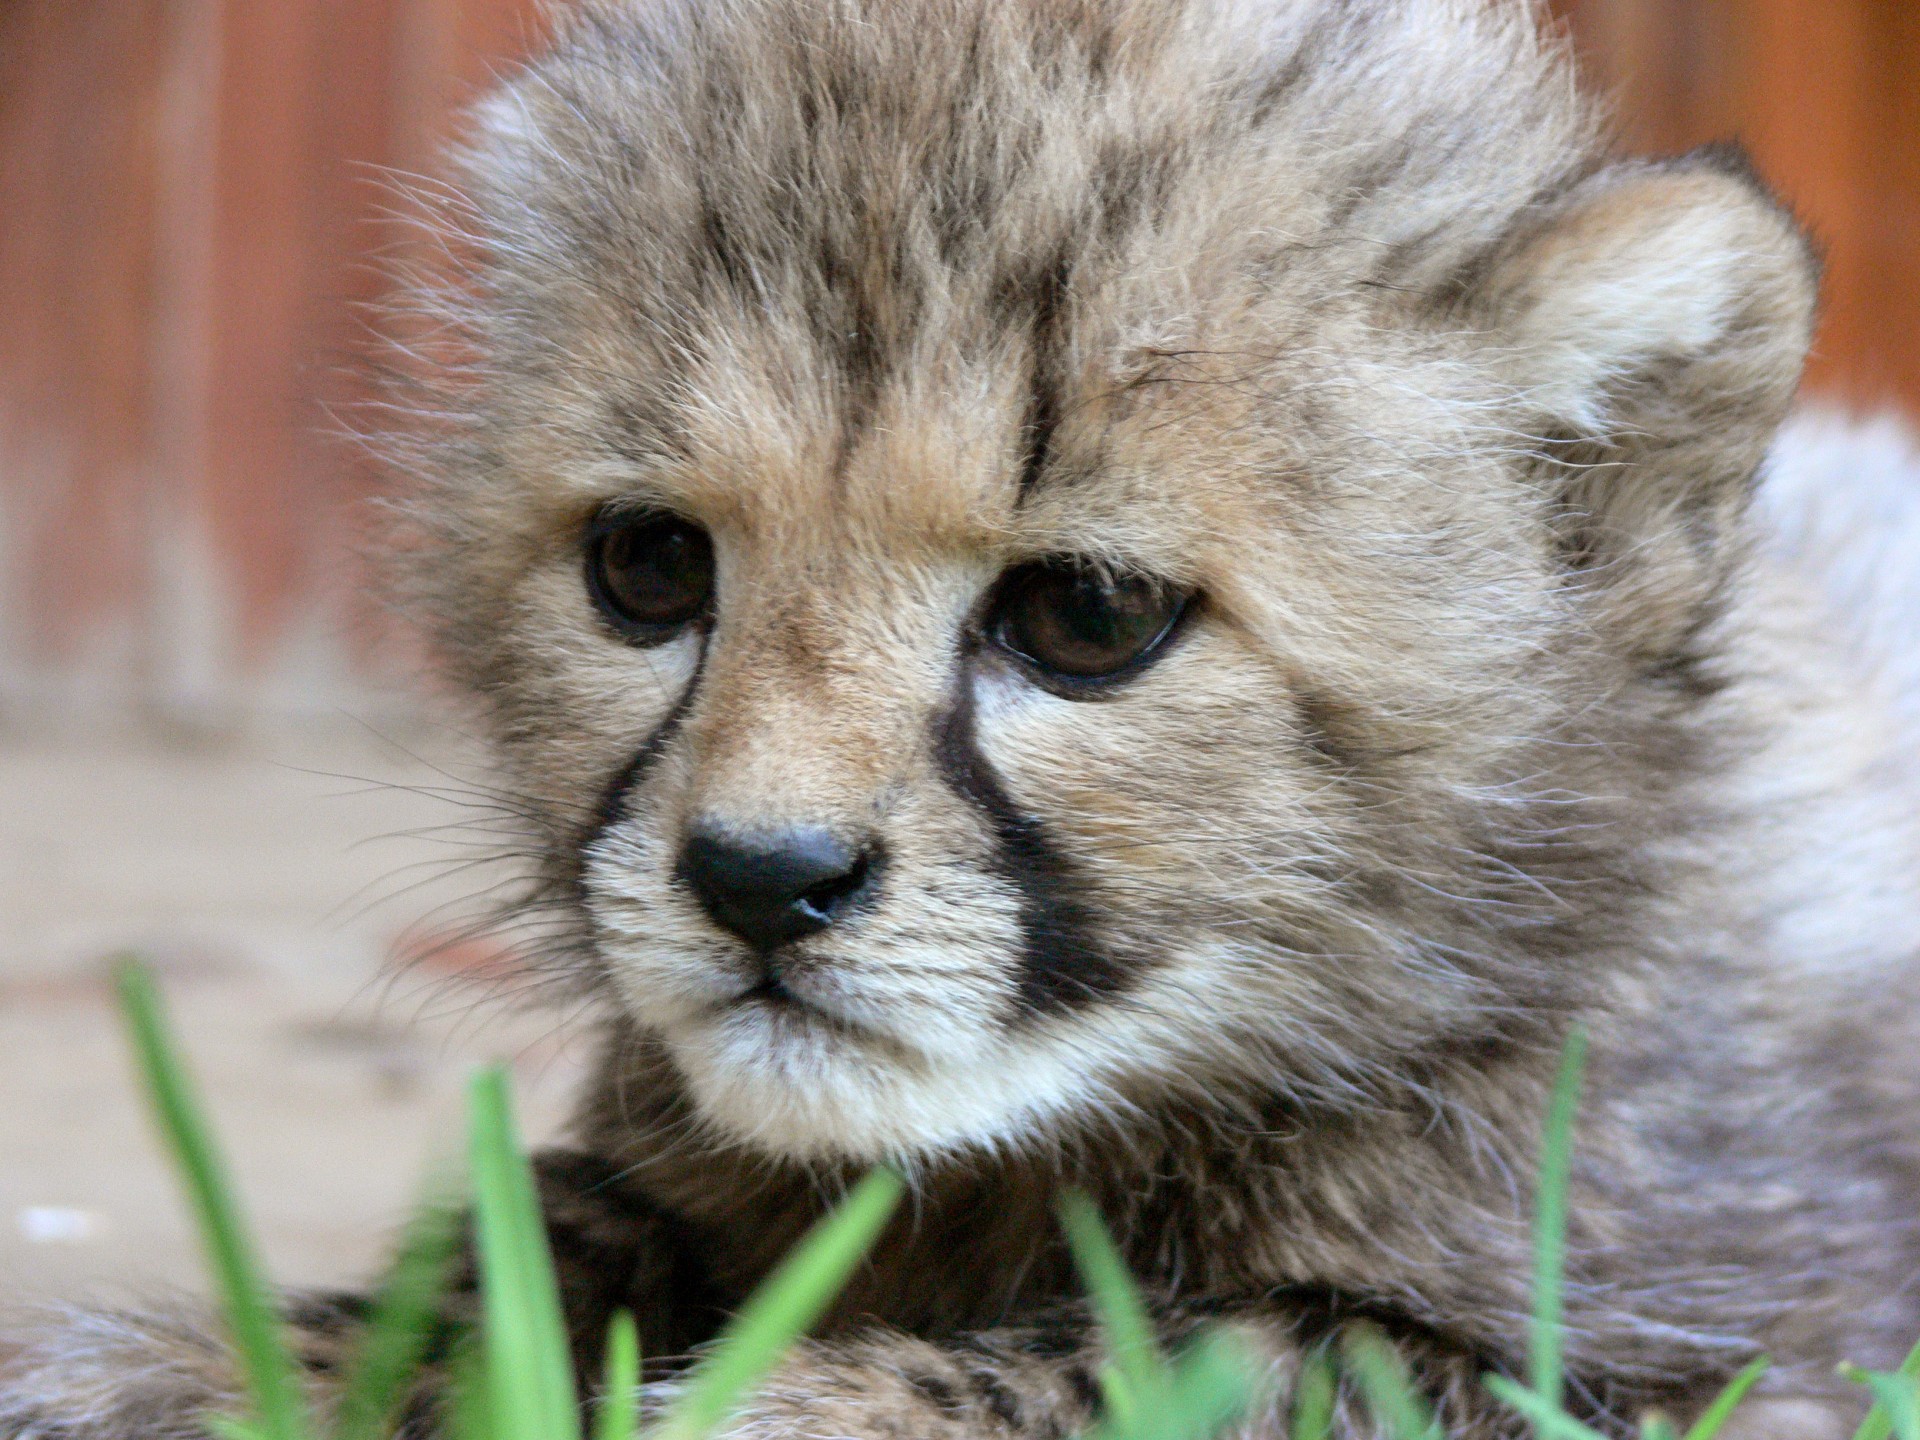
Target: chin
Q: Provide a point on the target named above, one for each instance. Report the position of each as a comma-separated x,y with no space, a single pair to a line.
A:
794,1083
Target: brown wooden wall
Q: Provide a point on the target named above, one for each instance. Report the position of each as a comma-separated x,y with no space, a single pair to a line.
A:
1825,94
189,216
188,209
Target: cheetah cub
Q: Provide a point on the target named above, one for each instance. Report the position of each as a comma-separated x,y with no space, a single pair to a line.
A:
1158,596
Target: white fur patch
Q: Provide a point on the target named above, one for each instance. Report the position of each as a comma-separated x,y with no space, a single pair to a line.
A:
1841,496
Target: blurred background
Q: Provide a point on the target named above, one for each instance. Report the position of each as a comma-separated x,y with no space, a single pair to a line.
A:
213,746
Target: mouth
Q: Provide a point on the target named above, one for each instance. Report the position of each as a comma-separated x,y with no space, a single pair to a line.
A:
772,991
774,994
789,1006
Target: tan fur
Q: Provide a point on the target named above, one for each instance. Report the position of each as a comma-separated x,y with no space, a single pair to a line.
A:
1497,712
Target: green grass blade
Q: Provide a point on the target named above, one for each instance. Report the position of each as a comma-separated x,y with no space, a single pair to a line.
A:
1549,1420
1313,1399
1139,1367
619,1412
1720,1411
272,1383
469,1415
1550,1222
406,1314
1879,1424
1894,1395
782,1309
1658,1427
1120,1403
1378,1370
1211,1387
529,1367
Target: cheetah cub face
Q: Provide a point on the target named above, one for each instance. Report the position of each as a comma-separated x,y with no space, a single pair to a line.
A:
1033,561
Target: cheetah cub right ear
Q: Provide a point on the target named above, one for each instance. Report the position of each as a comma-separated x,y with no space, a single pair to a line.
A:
1654,324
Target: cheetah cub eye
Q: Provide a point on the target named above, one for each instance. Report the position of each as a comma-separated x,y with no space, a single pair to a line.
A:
1077,628
650,574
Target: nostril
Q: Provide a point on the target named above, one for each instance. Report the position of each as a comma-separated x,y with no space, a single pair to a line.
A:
829,895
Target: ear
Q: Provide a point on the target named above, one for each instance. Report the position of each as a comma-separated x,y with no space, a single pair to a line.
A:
1654,326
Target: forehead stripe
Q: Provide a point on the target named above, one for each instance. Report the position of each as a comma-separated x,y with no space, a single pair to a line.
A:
1045,292
1043,414
1063,965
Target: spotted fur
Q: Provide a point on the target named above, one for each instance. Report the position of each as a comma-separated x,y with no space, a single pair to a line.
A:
1500,707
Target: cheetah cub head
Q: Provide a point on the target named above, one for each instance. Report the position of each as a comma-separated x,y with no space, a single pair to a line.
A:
1035,563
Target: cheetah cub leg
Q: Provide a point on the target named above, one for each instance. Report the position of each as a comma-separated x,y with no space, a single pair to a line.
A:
1041,1382
116,1375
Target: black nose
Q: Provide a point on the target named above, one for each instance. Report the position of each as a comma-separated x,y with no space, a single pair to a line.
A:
775,886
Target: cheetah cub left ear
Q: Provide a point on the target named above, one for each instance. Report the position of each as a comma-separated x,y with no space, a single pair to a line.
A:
1654,325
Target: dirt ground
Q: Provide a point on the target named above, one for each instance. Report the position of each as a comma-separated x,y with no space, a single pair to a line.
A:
269,883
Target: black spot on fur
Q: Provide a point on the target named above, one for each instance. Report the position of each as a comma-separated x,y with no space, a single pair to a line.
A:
1380,170
718,247
1321,725
937,1391
1063,965
1000,1399
1280,84
331,1313
1081,1380
1057,1341
1129,182
326,1323
1688,673
421,1416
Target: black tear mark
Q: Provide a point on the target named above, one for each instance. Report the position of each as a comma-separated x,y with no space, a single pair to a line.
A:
612,806
1063,966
